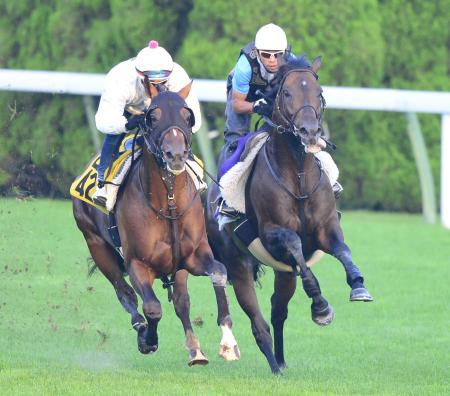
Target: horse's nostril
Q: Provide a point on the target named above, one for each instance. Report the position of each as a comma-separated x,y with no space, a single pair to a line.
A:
303,131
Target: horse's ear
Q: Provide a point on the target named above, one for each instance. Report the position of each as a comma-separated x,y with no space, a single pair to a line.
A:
184,92
316,64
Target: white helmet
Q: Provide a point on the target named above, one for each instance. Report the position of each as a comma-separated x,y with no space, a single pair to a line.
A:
270,37
154,62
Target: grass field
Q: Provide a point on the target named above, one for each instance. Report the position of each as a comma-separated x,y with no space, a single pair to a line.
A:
64,333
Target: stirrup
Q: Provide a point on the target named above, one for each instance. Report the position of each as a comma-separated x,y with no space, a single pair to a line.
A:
337,190
100,196
226,210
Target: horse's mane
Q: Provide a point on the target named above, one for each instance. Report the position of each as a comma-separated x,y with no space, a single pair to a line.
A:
294,62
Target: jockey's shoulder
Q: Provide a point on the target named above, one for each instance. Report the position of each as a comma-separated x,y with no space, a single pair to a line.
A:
123,72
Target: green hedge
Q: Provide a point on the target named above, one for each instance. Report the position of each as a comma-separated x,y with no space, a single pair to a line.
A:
364,43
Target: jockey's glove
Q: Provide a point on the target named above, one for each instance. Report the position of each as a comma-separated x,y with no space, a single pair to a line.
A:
135,121
263,108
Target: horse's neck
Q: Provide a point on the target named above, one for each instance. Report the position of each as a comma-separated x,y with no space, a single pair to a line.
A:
290,152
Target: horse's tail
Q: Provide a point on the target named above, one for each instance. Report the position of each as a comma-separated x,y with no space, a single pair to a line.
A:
92,267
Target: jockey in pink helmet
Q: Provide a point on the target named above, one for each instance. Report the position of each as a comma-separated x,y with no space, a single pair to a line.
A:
126,96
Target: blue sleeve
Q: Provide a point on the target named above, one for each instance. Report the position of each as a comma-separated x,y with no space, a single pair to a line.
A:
242,75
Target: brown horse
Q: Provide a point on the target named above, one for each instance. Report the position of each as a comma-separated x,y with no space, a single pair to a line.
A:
290,204
161,225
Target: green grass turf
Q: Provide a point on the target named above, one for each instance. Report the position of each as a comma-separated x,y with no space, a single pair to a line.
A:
64,333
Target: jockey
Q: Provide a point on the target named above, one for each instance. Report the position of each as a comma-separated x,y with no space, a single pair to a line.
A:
126,96
255,71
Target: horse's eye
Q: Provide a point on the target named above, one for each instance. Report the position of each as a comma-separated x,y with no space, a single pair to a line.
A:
286,94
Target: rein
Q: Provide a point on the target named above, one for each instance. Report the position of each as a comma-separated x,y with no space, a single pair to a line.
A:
168,180
300,175
171,214
289,126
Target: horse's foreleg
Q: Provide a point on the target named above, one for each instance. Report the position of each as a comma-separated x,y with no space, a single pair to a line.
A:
332,242
182,305
285,245
142,280
108,261
204,264
284,288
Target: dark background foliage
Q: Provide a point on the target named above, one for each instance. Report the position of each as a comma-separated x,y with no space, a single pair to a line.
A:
366,43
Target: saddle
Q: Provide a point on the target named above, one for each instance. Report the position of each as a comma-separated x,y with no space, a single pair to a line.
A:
237,168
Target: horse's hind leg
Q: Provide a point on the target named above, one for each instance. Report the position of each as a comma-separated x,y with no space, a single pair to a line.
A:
142,280
203,263
182,304
285,245
244,289
284,288
332,242
109,261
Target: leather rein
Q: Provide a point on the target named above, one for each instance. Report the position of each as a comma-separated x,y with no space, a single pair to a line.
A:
292,128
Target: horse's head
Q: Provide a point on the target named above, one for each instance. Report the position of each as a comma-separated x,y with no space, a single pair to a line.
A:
299,102
169,128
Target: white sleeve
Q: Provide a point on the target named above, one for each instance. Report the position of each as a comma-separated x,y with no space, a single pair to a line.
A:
178,80
109,118
194,105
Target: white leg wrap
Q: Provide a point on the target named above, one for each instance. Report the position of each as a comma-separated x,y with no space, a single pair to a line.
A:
227,337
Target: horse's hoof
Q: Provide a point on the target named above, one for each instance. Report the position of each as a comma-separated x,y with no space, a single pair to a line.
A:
323,317
277,371
142,343
229,353
360,294
146,349
197,357
282,365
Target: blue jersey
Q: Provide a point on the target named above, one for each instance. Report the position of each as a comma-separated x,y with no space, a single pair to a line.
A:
242,75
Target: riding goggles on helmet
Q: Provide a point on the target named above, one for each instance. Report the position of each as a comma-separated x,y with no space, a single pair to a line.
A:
269,54
156,76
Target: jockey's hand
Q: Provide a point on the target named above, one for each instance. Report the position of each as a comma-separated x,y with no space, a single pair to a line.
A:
263,107
135,121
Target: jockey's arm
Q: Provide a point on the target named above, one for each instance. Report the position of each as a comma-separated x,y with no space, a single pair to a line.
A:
109,118
240,105
194,105
178,80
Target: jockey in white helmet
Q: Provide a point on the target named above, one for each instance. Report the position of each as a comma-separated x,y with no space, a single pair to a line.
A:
255,70
126,96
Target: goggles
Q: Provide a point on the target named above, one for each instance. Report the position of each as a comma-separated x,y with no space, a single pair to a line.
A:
268,54
156,76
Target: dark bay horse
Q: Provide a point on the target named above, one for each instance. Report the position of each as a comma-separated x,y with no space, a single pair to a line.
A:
290,203
161,225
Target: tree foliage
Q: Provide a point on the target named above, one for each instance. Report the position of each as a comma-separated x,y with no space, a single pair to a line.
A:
366,43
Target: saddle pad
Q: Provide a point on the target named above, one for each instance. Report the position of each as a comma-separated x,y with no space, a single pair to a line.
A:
232,183
85,185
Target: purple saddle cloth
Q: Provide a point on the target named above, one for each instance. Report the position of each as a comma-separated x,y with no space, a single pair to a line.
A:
234,158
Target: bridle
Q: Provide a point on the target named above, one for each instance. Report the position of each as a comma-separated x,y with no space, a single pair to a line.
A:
288,126
153,139
287,123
